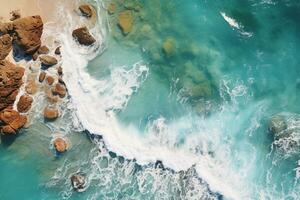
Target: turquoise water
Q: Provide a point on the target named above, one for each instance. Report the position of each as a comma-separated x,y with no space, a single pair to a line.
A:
212,96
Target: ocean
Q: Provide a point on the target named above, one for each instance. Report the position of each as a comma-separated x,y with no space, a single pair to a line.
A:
179,108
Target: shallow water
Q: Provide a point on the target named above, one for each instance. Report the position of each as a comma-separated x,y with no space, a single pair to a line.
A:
202,108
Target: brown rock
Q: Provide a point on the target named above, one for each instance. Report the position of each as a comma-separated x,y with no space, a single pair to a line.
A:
12,121
57,51
86,10
48,60
43,50
5,46
10,81
59,90
60,145
28,32
51,113
24,103
51,98
31,87
125,21
60,70
50,80
35,56
83,36
42,76
6,28
15,14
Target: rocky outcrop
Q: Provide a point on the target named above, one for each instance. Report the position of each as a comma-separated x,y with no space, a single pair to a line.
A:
59,90
27,33
87,10
11,121
48,61
51,113
125,21
78,181
5,46
60,145
24,103
10,81
83,36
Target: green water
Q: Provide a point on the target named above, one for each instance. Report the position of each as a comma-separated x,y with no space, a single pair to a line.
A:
216,90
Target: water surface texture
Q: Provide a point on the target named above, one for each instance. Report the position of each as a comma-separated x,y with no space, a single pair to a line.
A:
194,86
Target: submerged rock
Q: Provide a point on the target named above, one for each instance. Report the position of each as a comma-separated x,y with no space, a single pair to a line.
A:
11,121
125,21
277,126
51,113
48,60
169,47
60,145
24,103
83,36
111,8
10,81
78,181
5,46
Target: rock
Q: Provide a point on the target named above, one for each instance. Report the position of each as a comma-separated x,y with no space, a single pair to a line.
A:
51,113
43,50
49,80
35,56
86,10
31,87
111,8
48,60
59,70
168,47
59,90
6,28
277,126
57,51
125,21
27,33
15,14
60,145
42,76
83,36
10,81
78,181
11,121
51,98
5,46
24,103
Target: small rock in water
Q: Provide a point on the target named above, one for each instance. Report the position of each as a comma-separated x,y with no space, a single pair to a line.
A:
24,103
42,76
83,36
111,8
51,113
60,70
43,50
86,10
49,80
125,21
60,145
5,46
169,47
48,60
57,51
31,87
59,90
78,181
11,121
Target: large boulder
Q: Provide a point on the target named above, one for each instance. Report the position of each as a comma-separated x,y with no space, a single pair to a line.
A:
11,121
27,33
83,36
125,21
10,81
24,103
5,46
